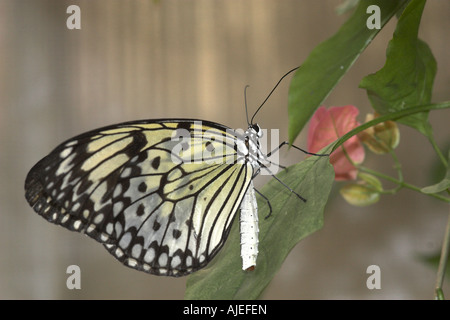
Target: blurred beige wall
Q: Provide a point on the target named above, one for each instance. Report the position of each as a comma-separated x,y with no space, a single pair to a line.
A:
171,59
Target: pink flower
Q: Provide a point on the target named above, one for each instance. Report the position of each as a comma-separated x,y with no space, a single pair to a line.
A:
325,127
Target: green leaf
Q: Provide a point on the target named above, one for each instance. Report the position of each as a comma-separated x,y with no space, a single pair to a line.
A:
291,221
442,185
330,60
406,80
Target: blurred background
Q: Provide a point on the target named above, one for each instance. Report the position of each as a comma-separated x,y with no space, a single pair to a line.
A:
168,59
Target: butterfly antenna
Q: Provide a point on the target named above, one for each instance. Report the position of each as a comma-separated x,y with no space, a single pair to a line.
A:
245,102
279,81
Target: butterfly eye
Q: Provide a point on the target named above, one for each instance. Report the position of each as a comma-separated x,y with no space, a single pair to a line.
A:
257,130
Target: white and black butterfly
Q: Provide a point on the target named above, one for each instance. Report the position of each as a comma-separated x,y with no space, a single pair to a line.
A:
161,195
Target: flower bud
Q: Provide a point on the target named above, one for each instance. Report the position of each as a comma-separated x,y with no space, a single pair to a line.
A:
359,194
381,138
371,181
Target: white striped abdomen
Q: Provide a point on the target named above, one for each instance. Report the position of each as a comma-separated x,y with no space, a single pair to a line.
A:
249,229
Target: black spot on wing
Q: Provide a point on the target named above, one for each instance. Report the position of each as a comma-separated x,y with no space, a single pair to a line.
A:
156,225
176,234
156,162
142,187
140,210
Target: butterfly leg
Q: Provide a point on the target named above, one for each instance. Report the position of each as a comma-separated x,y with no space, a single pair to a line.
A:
298,148
286,186
283,167
268,203
276,164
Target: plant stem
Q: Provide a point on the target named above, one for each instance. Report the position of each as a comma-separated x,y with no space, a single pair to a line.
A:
403,184
390,116
398,167
443,262
437,150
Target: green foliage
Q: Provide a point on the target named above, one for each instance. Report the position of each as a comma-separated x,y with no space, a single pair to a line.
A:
443,184
330,60
406,80
291,221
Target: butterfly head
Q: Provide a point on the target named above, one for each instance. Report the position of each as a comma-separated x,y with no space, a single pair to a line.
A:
252,144
256,130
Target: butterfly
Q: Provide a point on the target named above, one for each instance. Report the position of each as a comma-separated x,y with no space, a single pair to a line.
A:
160,195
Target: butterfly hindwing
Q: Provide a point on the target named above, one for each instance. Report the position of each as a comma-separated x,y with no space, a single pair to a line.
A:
159,194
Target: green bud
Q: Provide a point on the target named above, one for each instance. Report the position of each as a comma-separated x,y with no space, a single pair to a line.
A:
359,195
371,181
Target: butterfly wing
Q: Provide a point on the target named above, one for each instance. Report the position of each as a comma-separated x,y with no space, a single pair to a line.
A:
158,203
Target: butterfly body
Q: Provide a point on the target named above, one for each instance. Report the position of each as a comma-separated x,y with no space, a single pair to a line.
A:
249,229
161,195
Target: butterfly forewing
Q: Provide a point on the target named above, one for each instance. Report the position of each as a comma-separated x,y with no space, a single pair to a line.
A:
161,195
